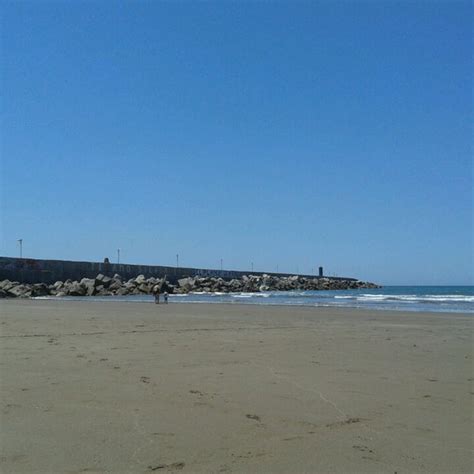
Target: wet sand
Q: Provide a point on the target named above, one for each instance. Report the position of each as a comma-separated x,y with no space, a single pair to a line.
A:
135,387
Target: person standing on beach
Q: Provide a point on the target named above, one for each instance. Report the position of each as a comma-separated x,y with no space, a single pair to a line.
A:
165,297
156,292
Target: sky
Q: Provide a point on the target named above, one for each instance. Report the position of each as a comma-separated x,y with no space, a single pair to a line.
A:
285,134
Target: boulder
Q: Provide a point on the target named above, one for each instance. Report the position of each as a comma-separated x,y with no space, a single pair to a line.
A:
89,285
7,284
186,283
102,292
115,285
40,289
103,280
75,289
140,279
19,291
121,291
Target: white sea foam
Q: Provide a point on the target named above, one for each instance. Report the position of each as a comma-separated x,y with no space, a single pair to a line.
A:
415,298
250,295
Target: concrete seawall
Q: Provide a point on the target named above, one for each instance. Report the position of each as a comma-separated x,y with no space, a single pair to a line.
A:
29,270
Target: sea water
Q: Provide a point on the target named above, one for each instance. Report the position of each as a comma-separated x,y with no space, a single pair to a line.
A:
456,299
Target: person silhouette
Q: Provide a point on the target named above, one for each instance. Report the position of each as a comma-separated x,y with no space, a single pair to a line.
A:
156,293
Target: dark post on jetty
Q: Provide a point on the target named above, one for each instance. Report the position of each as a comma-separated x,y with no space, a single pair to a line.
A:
320,271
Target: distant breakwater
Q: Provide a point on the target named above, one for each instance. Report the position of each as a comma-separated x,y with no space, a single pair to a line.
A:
103,285
31,270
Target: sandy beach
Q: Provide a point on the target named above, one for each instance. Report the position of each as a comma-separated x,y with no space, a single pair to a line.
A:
135,387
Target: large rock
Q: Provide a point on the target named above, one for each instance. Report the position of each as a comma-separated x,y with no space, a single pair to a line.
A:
89,285
7,284
187,283
122,291
140,279
103,280
115,285
19,291
75,289
40,289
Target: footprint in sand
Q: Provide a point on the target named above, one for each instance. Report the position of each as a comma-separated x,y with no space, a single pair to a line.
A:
145,379
196,392
293,438
348,421
176,466
362,448
253,417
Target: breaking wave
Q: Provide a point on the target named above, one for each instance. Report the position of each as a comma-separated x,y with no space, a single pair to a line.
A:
411,298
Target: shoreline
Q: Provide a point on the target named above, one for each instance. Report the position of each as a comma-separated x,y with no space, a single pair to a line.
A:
173,301
233,388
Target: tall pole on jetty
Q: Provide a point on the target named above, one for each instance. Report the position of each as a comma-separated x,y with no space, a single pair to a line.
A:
221,264
252,266
20,241
118,255
177,260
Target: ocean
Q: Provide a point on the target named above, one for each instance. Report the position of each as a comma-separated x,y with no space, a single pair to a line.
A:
452,299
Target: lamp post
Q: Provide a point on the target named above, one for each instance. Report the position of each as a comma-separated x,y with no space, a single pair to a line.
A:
118,256
20,241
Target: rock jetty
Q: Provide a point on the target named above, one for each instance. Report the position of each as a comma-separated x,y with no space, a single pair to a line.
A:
103,285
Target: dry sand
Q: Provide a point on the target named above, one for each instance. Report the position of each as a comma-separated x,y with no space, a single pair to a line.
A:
134,387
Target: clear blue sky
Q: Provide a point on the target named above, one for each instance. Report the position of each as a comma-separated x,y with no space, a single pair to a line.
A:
292,134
